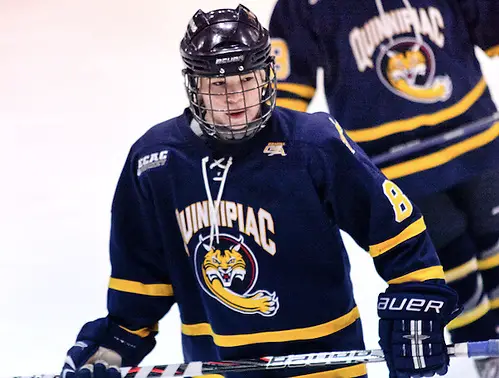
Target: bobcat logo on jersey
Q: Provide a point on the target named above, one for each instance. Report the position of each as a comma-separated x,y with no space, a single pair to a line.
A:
228,272
407,68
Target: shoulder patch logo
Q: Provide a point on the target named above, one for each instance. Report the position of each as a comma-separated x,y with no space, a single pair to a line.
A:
156,159
275,148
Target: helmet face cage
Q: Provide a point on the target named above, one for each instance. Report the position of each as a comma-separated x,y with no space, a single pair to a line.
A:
205,112
222,45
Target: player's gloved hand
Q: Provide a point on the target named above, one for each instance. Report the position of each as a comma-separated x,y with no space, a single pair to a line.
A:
102,347
411,328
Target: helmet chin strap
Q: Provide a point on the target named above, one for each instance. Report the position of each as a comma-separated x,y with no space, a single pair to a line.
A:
196,128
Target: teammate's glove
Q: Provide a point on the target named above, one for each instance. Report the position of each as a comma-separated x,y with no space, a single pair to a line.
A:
102,347
411,328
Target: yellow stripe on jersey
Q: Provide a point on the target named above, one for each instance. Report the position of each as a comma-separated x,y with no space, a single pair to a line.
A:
410,231
307,333
293,104
154,290
305,91
350,371
489,263
493,51
400,126
143,332
470,316
461,271
431,273
443,156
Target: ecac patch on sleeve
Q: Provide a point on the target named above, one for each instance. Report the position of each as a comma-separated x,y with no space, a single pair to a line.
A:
154,160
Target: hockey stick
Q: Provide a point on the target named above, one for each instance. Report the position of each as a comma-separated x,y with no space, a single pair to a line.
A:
471,349
416,146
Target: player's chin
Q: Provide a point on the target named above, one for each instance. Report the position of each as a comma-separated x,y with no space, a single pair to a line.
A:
235,121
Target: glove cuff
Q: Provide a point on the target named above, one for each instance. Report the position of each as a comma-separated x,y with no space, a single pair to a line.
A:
418,301
105,333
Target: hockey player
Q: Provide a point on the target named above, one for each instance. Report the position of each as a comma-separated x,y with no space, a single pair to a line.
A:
397,72
232,210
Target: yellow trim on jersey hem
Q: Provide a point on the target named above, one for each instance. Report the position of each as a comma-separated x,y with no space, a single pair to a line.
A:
293,104
443,156
470,316
134,287
489,263
425,274
143,332
302,90
494,304
461,271
306,333
410,231
400,126
493,51
349,371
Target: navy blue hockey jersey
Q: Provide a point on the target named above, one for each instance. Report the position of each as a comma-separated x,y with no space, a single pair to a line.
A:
396,73
246,238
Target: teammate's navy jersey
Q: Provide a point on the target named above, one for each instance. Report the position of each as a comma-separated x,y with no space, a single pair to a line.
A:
246,238
395,73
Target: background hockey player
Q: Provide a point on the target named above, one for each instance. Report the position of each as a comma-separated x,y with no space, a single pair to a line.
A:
233,209
397,72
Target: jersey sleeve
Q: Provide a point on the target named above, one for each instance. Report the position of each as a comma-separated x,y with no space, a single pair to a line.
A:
377,214
482,18
140,291
296,51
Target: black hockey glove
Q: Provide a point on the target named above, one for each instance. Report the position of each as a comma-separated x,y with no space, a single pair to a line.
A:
102,347
411,328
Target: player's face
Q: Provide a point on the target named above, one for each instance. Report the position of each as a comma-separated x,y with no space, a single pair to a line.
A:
232,101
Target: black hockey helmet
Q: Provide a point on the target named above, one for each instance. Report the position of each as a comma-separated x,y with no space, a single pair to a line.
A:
222,43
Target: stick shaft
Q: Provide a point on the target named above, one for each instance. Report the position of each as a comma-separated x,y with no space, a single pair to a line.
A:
488,348
401,151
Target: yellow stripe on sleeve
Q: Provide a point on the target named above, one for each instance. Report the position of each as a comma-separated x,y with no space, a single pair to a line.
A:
400,126
410,231
471,316
431,273
461,271
293,104
307,333
443,156
143,332
489,263
305,91
493,51
154,290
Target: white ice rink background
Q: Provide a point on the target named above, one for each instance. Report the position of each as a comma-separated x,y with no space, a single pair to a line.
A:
80,81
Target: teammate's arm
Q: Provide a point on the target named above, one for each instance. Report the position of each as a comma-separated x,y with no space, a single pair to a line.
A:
482,18
296,51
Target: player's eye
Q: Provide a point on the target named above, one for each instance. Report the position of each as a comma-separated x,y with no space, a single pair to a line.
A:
217,83
247,78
